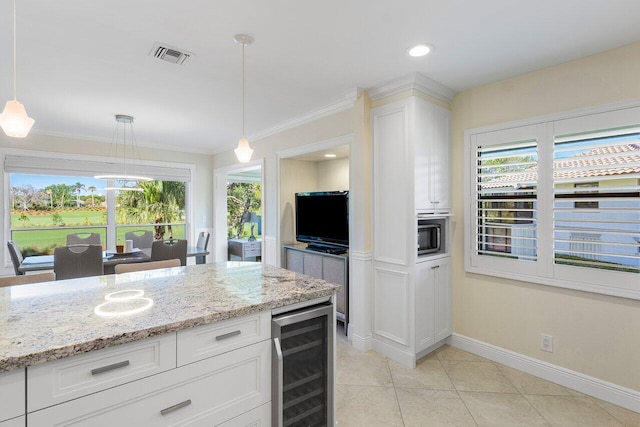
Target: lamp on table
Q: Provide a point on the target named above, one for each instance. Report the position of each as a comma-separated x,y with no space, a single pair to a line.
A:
251,218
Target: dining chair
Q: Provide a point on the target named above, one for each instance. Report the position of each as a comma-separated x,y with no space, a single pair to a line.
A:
27,278
16,257
74,261
142,239
169,249
83,239
142,266
203,240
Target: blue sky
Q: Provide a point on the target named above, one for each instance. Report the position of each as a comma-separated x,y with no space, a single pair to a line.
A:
41,181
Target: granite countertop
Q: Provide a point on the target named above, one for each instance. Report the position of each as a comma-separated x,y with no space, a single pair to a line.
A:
53,320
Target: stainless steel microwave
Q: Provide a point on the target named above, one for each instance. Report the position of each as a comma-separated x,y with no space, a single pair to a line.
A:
429,237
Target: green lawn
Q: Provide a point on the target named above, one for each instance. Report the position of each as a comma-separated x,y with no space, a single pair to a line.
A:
35,242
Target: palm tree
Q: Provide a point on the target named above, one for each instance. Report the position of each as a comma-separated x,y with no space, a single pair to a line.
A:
92,189
79,186
49,193
159,202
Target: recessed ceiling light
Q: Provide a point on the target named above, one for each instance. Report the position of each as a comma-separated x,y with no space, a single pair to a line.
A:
330,155
419,50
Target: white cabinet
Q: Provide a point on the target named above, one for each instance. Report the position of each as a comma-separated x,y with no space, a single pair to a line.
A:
12,389
204,393
411,175
65,379
432,302
432,158
217,374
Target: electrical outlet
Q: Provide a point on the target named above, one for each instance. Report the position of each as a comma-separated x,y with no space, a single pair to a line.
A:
546,343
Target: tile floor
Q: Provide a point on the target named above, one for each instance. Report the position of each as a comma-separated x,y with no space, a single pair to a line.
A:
451,387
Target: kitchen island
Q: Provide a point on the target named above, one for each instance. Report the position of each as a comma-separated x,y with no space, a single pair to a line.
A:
139,337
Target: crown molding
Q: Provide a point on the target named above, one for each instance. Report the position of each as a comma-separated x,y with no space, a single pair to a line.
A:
415,81
346,102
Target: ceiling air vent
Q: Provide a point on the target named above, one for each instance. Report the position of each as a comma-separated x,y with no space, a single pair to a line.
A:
170,54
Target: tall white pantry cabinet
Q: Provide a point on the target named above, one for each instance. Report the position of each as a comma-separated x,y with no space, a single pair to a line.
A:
411,175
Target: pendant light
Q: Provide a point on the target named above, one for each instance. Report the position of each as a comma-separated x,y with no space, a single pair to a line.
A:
243,152
117,157
14,119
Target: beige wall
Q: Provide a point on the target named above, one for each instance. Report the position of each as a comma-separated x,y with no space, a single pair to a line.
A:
592,334
295,176
333,175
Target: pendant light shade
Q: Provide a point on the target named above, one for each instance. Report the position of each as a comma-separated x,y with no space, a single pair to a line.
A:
244,151
14,120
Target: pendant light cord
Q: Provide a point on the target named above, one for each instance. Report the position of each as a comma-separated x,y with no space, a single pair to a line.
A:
15,78
243,45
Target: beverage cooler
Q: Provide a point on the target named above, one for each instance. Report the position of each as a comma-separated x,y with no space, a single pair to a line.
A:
303,368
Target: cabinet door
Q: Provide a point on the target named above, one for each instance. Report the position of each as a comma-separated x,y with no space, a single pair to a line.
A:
334,270
443,300
14,422
259,417
441,168
295,260
313,265
424,305
425,158
392,183
12,392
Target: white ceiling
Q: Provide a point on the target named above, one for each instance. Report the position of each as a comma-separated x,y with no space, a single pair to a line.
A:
80,62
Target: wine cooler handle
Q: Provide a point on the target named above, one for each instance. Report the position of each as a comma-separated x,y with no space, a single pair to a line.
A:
280,379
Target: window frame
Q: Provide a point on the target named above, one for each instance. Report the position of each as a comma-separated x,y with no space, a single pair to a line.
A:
38,155
546,272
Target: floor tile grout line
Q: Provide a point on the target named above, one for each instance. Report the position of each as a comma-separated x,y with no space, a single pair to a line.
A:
457,391
395,392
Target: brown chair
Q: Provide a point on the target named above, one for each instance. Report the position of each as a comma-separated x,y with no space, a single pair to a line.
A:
16,257
143,266
142,239
70,262
202,243
83,239
169,249
27,278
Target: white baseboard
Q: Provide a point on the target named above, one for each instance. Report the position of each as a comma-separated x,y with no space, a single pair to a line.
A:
363,344
586,384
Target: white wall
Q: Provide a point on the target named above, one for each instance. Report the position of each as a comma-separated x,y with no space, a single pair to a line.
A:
593,334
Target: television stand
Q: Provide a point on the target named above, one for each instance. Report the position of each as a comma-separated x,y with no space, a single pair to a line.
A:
332,267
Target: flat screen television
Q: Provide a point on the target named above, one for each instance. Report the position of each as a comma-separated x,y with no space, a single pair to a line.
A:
322,220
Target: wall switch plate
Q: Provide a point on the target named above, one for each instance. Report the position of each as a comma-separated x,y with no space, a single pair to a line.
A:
546,343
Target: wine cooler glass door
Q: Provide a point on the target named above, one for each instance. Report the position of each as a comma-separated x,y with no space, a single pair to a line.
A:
303,368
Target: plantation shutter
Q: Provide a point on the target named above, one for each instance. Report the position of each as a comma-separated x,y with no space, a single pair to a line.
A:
506,185
596,211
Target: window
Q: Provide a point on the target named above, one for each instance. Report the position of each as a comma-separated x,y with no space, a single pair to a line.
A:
52,197
597,228
558,202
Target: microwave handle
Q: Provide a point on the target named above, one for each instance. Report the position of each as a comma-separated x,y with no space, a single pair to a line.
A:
438,238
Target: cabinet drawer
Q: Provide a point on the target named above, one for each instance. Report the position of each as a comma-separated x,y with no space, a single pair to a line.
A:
12,386
204,393
20,422
251,252
209,340
252,246
61,380
259,417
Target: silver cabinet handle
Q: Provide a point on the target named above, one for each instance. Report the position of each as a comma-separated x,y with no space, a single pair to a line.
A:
122,364
228,335
277,418
435,266
175,407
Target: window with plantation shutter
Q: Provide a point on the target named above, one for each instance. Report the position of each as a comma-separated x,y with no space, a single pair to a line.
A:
557,201
506,188
596,210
